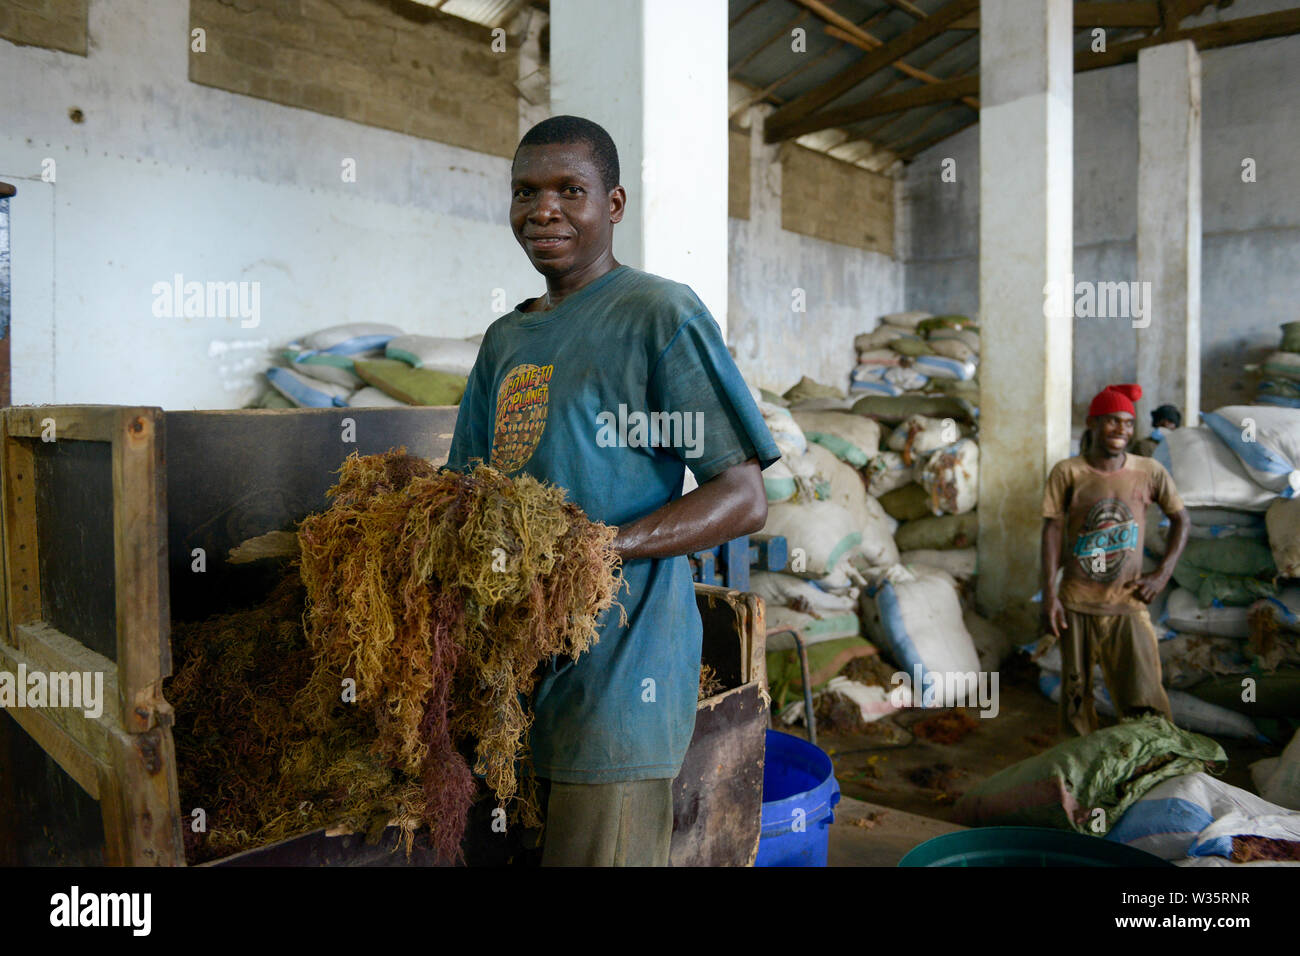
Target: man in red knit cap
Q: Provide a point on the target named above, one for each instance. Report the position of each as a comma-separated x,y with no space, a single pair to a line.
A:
1094,510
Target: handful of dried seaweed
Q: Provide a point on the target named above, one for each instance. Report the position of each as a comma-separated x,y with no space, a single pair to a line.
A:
407,636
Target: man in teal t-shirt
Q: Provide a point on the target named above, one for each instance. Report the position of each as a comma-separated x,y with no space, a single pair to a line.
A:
610,386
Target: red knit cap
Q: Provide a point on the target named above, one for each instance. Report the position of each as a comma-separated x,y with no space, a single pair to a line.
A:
1115,398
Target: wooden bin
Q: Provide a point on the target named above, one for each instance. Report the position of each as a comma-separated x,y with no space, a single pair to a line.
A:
117,519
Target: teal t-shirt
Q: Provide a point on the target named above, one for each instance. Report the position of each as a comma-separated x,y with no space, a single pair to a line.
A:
612,395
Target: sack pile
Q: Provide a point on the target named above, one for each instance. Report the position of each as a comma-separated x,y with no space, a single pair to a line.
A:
369,364
1280,384
877,506
918,353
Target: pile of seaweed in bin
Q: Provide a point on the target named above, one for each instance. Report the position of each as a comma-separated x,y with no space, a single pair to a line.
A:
404,638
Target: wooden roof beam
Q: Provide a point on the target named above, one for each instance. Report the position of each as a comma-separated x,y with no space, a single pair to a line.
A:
902,66
910,9
923,95
1088,15
869,65
1266,26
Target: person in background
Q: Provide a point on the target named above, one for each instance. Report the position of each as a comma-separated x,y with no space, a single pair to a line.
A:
1094,510
1164,419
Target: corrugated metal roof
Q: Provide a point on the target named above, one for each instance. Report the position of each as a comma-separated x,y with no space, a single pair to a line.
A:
762,57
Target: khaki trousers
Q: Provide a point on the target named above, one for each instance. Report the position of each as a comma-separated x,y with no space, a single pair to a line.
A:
608,824
1124,645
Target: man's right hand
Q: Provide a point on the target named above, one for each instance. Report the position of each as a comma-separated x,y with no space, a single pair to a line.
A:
1054,621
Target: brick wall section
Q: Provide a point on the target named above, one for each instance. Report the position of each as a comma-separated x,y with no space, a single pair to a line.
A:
829,199
53,24
738,174
422,73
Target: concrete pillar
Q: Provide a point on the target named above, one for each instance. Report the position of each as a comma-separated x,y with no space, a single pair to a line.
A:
1169,229
654,73
1026,251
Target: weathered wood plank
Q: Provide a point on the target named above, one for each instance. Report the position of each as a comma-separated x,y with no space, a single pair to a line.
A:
57,422
140,565
39,647
141,806
75,759
718,795
22,568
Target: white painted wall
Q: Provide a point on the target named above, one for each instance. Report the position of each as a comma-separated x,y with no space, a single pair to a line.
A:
846,289
1250,231
166,176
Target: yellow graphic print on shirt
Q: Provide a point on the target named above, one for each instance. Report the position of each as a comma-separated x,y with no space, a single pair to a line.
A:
521,415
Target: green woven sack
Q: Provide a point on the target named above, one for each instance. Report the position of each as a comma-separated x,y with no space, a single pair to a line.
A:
907,503
1106,771
415,386
894,409
926,326
1291,336
910,345
938,533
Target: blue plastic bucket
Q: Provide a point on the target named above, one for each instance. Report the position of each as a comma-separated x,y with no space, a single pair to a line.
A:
799,792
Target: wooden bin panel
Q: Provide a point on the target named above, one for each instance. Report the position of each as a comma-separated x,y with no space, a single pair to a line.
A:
67,475
233,475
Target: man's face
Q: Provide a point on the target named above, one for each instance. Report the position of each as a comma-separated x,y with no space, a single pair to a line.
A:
560,211
1112,433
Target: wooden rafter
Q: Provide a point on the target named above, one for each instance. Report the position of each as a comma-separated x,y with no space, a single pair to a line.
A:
869,65
923,95
1150,14
902,66
771,38
746,12
768,91
759,95
918,148
1210,36
929,121
871,131
910,9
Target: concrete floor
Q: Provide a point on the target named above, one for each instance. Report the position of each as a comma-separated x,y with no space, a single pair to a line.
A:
884,811
868,834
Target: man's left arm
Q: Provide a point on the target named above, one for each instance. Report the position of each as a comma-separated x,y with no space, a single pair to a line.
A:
725,507
696,378
1148,586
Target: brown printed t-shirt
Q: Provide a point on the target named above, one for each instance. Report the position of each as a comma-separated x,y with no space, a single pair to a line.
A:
1101,550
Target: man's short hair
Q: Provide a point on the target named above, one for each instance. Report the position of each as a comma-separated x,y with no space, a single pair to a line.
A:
575,129
1166,413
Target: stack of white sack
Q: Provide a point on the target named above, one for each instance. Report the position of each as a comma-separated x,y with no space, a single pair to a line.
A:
1238,475
320,370
914,616
915,353
1195,820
